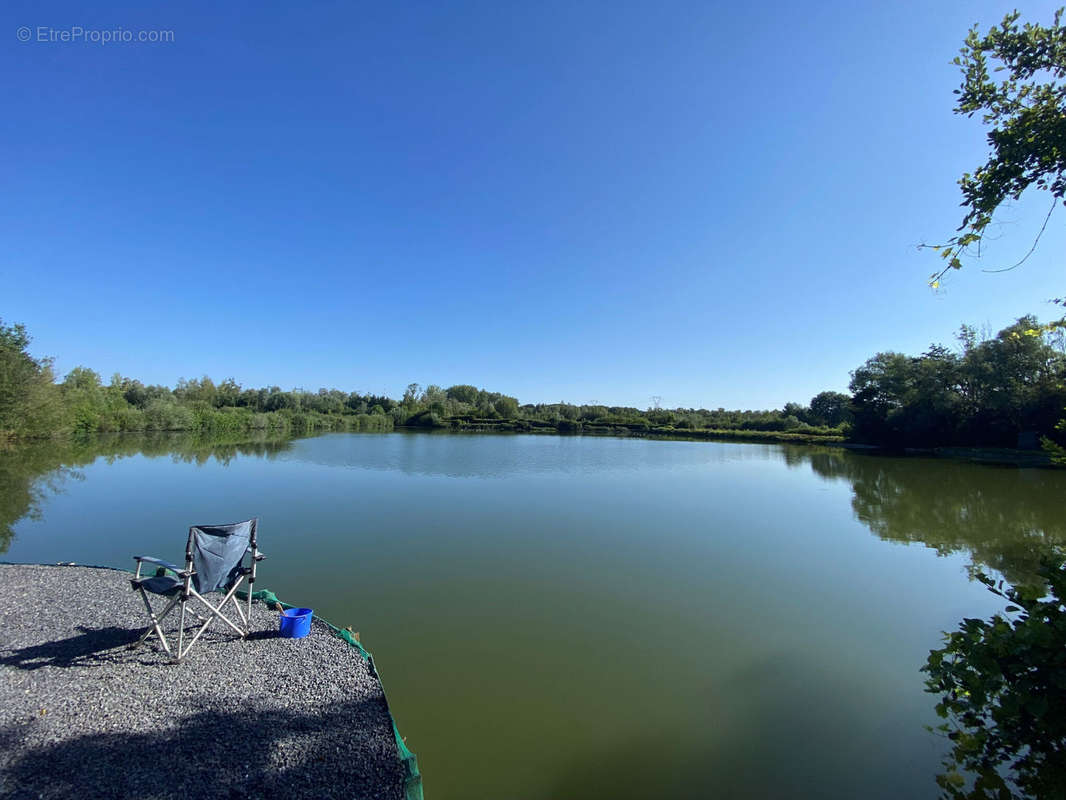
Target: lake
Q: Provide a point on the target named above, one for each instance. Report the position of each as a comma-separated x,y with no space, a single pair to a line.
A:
577,617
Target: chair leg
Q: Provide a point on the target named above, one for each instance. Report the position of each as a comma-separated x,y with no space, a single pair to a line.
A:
155,627
181,630
240,613
216,611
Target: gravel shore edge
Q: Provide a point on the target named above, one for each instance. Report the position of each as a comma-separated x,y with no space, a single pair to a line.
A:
81,713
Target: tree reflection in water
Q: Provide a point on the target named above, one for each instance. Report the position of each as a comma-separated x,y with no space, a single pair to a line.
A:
1005,518
30,471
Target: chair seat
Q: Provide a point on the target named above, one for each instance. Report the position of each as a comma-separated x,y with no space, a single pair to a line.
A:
163,584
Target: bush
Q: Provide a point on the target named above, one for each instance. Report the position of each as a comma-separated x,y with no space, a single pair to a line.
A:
1003,691
167,415
128,419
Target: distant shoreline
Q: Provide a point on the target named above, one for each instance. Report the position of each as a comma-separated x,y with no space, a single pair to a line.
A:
996,456
675,434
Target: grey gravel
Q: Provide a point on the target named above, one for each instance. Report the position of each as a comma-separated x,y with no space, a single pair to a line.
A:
81,714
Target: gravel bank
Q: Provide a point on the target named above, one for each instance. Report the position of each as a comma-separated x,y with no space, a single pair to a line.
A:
82,715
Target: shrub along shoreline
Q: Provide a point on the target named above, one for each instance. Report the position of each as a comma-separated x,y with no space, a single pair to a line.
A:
1006,391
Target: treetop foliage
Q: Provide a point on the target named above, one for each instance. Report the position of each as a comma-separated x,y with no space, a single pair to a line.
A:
986,394
28,402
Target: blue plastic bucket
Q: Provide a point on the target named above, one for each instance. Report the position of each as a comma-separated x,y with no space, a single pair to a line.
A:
295,623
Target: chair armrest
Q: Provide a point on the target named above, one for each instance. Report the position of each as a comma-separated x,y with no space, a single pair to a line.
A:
166,564
258,556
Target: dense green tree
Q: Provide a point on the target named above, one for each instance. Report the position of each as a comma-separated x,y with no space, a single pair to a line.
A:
794,414
1013,383
254,399
880,389
134,393
32,404
356,403
29,401
197,391
463,394
278,400
84,399
435,399
326,401
506,407
994,391
830,408
411,395
385,402
227,393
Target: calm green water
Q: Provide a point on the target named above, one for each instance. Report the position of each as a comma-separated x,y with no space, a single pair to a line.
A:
588,617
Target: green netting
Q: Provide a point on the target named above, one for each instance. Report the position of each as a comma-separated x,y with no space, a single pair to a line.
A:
413,778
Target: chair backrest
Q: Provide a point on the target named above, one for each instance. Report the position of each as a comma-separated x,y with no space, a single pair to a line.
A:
216,552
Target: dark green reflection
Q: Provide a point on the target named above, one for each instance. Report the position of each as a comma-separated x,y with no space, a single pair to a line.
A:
1004,517
30,472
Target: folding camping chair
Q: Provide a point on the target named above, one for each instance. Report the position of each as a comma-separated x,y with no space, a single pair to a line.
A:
214,562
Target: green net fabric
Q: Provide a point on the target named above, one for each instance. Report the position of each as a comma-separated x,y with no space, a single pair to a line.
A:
413,777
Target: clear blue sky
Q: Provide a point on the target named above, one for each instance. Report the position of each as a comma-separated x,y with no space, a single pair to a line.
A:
717,204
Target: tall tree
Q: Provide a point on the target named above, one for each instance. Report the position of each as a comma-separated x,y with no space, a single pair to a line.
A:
830,408
29,398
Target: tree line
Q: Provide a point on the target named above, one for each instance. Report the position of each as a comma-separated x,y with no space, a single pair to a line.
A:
987,392
996,391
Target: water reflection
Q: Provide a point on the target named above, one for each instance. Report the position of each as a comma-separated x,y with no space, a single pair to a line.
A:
1003,517
30,472
513,455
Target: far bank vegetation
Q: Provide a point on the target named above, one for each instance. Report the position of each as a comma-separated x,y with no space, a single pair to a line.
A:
991,391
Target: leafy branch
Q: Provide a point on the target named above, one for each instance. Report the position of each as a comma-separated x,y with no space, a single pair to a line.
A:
1002,684
1027,114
